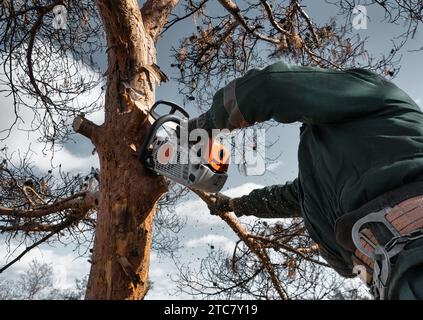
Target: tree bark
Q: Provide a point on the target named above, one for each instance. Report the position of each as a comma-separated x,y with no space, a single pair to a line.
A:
128,193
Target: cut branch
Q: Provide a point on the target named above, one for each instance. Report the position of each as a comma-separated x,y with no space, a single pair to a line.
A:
85,127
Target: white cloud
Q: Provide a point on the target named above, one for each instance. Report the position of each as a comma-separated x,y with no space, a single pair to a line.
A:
197,213
274,165
69,161
242,189
23,141
220,241
66,267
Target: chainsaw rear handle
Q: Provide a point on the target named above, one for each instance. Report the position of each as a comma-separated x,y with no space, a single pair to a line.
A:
152,133
174,108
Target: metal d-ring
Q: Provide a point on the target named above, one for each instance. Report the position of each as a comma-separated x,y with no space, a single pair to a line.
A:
374,217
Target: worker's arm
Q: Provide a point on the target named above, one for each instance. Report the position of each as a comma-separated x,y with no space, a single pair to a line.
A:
278,201
288,93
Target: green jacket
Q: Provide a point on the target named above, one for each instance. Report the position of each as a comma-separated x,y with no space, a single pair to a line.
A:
361,136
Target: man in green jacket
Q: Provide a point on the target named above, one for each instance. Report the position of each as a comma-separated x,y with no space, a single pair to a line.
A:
360,167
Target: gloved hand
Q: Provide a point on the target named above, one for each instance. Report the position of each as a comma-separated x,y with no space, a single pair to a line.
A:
201,122
220,204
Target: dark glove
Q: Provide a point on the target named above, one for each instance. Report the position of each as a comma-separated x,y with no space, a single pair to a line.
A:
220,204
201,122
204,121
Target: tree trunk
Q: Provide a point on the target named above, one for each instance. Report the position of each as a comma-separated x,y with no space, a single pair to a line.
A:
128,199
128,193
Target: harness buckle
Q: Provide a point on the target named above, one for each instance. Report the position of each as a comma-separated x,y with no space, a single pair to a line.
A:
382,255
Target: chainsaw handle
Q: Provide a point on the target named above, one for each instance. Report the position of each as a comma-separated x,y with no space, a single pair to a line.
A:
174,108
152,133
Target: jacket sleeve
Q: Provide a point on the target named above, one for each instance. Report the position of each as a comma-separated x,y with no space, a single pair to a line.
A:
278,201
289,93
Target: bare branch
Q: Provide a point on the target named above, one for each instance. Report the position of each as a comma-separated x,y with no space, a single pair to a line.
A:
233,9
33,33
65,224
309,23
189,14
272,19
80,201
50,65
254,246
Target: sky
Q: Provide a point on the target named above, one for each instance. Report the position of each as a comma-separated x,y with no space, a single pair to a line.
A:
201,230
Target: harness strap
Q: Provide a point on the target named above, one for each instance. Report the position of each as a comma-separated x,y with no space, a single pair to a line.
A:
404,223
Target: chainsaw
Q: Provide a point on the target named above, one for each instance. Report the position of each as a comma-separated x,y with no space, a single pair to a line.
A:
162,153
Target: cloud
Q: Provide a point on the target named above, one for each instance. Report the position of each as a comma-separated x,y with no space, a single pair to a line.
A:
69,161
274,165
219,241
242,189
196,212
66,267
22,141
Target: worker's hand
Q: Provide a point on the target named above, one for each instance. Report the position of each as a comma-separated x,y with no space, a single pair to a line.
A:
195,123
220,204
201,122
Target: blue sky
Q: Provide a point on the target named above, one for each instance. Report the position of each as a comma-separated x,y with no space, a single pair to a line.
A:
201,230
